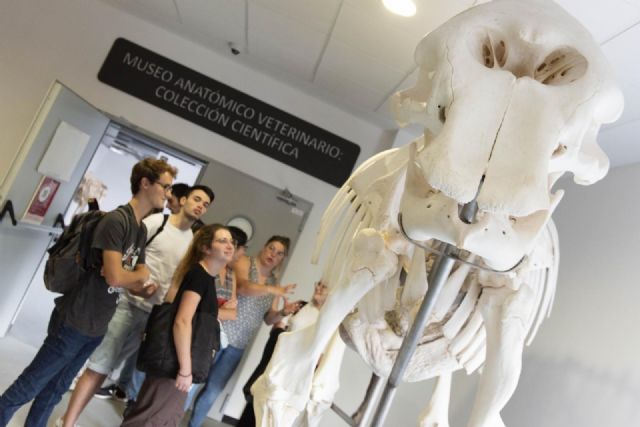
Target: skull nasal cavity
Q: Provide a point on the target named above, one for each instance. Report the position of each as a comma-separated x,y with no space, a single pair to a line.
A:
494,53
560,67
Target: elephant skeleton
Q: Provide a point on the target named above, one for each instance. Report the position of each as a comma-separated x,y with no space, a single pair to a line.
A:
511,95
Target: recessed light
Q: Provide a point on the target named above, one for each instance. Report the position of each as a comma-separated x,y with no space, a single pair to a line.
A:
401,7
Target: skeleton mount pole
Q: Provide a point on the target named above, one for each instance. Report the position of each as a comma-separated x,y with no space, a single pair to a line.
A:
437,278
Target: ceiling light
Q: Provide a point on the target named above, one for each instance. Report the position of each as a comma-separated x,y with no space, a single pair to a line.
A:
400,7
116,150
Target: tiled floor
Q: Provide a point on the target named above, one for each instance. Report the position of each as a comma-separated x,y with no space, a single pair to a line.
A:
15,355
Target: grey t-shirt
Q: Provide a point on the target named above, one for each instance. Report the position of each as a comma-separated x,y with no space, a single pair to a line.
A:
251,311
89,307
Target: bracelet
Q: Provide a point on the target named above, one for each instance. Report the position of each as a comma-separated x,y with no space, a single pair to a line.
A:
183,376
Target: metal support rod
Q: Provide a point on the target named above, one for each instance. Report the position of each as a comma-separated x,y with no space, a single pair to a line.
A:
366,408
373,391
437,277
345,417
436,280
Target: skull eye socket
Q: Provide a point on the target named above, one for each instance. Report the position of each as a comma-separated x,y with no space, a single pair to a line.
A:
560,67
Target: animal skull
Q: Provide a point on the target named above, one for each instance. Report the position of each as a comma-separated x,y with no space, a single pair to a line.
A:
512,95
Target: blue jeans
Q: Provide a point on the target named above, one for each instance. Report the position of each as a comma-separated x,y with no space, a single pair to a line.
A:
131,378
50,373
223,366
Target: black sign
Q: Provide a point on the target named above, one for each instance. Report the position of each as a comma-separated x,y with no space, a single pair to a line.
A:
229,112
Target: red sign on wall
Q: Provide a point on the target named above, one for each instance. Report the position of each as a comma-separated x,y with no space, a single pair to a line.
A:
41,200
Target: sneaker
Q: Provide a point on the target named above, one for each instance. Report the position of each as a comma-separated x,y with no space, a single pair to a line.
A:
128,408
119,394
105,392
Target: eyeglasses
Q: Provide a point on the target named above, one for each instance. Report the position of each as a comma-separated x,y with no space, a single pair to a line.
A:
165,187
226,242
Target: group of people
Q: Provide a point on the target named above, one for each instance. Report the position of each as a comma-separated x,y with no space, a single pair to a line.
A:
153,267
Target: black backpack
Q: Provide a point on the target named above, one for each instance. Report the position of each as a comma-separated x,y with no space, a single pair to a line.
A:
71,257
157,354
159,230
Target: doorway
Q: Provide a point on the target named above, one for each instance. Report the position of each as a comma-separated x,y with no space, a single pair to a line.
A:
119,150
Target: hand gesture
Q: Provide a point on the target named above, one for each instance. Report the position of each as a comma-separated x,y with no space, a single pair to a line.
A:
291,307
144,271
284,290
147,290
232,303
183,383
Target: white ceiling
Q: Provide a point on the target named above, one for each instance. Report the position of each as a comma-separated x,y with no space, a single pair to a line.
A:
355,54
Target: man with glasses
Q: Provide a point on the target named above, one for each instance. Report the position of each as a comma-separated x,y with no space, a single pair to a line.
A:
81,315
166,247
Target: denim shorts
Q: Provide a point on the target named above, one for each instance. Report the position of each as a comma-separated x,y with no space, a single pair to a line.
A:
122,339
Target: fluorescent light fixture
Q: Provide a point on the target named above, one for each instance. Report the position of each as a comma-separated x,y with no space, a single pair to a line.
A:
400,7
117,150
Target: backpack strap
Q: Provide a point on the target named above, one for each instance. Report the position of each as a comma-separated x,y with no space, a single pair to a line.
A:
127,220
122,211
159,230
